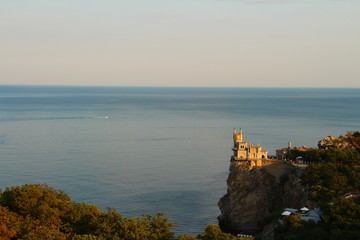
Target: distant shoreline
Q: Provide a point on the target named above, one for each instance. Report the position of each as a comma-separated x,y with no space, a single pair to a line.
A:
170,87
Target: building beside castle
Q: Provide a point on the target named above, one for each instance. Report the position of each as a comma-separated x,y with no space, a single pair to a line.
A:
282,153
244,151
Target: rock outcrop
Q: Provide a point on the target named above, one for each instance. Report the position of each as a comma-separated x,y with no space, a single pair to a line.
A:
254,192
342,142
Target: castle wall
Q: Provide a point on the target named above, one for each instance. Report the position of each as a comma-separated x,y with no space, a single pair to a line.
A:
249,164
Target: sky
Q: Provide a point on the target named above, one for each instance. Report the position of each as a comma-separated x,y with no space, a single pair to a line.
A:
196,43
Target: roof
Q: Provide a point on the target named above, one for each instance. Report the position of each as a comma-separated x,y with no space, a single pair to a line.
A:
286,213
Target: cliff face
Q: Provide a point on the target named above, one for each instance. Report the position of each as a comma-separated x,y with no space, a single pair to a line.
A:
254,192
342,142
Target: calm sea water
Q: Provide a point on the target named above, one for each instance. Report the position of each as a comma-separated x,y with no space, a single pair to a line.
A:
162,149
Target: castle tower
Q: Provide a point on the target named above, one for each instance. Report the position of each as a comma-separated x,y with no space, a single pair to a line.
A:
238,137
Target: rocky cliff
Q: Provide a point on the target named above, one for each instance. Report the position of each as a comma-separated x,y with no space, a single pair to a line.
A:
342,142
253,192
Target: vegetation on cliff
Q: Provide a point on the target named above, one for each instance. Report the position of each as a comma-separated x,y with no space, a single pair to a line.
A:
334,185
36,212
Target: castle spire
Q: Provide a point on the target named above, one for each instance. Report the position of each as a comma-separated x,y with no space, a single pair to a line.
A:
241,135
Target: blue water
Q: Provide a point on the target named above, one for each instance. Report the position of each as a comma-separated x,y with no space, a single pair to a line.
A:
162,149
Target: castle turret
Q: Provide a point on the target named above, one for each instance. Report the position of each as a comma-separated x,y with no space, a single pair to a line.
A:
238,137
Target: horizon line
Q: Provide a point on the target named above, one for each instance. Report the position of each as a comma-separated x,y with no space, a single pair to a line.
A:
213,87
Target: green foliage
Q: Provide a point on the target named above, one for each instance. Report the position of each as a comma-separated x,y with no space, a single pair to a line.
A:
39,232
342,218
40,202
328,181
295,229
83,219
338,176
356,136
213,232
147,227
86,237
328,184
40,212
269,218
109,224
186,237
9,224
331,180
334,155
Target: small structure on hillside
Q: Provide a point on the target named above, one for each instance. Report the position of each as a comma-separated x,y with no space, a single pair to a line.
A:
244,151
304,214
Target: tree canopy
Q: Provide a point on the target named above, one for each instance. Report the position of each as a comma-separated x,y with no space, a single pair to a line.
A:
37,212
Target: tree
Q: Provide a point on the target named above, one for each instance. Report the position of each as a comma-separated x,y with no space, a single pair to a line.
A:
186,237
109,224
331,180
40,232
83,219
38,211
9,224
40,202
343,218
86,237
213,232
295,229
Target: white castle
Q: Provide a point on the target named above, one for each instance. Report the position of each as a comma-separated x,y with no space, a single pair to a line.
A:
244,151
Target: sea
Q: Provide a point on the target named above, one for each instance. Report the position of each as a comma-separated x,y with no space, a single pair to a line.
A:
156,149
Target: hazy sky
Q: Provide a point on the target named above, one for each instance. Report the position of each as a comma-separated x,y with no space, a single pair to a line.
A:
241,43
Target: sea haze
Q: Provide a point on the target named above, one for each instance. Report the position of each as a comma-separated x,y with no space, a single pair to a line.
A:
161,149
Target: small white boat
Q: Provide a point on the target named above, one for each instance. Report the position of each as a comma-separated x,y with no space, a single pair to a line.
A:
104,117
